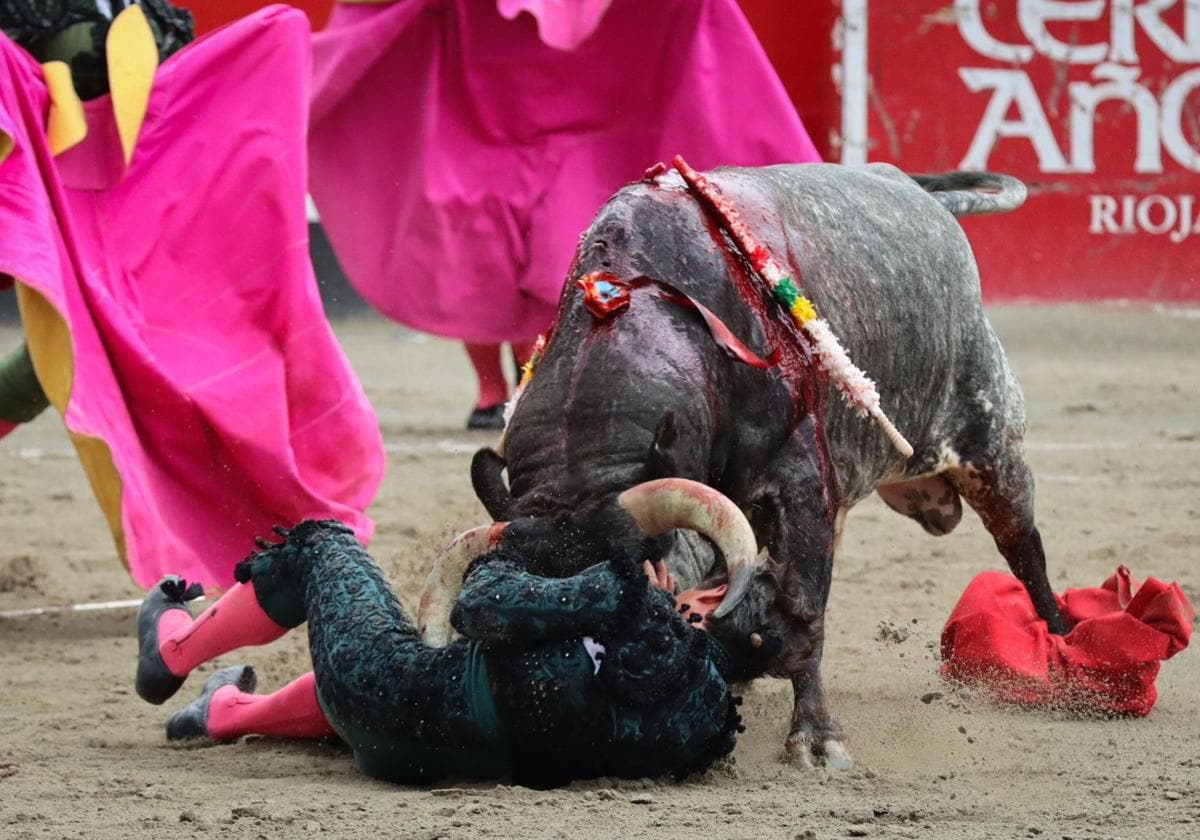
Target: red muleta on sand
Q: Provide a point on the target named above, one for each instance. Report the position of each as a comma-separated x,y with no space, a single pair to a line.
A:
1107,663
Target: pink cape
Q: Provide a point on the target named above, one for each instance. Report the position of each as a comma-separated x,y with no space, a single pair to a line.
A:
1120,633
456,157
199,365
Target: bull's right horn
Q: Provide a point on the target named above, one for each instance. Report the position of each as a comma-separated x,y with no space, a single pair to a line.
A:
446,578
668,503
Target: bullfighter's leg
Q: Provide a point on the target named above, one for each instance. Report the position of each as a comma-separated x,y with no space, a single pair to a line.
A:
410,713
171,644
1001,493
228,708
799,525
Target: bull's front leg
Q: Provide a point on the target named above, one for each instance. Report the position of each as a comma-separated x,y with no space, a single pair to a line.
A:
798,518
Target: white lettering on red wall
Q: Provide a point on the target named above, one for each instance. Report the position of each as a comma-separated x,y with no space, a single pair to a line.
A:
1166,121
1173,216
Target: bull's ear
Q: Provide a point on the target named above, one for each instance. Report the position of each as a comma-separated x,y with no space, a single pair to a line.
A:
486,478
660,458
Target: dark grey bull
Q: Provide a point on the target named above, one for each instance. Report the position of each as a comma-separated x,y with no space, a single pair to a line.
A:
648,392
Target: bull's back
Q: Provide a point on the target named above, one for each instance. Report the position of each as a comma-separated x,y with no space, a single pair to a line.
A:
885,264
891,270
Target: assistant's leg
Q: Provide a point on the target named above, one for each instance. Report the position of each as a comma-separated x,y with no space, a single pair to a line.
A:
493,387
21,395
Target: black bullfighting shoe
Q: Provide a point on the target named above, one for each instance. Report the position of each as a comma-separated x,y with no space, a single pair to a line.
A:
155,683
192,720
487,418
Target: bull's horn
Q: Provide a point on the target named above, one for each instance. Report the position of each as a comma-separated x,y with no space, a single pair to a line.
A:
446,578
668,503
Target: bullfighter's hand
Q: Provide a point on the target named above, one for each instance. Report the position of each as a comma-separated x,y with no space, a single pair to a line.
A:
700,603
659,576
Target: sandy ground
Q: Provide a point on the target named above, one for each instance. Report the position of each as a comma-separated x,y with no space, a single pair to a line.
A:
1114,440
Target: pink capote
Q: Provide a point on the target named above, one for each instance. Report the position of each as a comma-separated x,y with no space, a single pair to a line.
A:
562,24
202,356
456,157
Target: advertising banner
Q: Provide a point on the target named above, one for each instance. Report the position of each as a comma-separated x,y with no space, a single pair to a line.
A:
1095,104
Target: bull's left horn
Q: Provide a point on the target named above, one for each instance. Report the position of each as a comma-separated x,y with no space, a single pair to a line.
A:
446,578
668,503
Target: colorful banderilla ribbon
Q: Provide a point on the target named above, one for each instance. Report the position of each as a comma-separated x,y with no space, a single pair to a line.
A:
527,369
858,390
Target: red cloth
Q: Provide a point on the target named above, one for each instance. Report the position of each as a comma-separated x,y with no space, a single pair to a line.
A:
1120,634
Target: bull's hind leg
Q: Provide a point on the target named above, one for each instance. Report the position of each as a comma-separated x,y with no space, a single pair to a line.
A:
1002,494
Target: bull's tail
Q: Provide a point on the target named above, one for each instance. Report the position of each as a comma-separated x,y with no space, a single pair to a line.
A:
973,193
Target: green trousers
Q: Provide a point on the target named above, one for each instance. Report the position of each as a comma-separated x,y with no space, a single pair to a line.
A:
21,395
410,713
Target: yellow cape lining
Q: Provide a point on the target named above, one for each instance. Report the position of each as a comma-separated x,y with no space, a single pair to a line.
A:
52,351
132,63
66,125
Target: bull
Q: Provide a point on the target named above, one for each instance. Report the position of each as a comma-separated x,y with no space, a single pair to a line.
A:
683,396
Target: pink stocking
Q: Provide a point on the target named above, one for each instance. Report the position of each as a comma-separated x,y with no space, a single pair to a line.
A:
493,388
234,621
291,712
6,427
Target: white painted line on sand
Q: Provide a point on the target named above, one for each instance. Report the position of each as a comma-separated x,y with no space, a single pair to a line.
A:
1109,445
448,446
69,608
445,446
94,606
1186,313
433,447
1063,478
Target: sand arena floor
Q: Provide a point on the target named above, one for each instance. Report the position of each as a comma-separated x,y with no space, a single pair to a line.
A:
1114,440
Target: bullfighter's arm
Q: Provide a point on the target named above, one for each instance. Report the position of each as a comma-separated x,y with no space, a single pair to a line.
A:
501,602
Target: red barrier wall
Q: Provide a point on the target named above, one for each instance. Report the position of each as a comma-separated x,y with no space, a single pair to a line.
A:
1093,103
797,36
210,14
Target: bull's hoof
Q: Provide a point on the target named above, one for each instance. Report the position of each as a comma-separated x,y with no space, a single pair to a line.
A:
804,749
